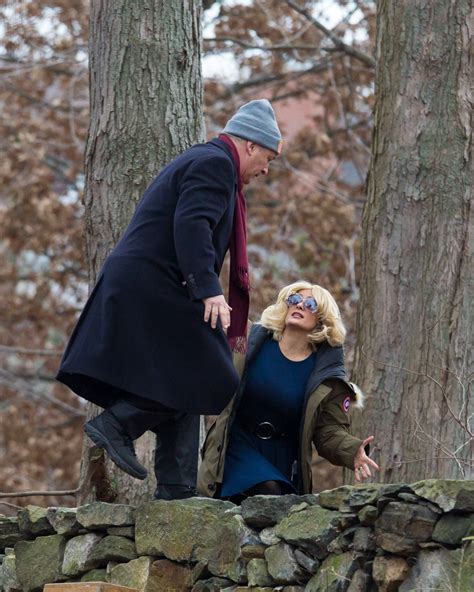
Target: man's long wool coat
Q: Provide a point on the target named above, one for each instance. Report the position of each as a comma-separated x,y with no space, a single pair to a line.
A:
142,329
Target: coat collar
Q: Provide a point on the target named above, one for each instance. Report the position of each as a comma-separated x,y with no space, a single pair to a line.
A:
223,146
329,362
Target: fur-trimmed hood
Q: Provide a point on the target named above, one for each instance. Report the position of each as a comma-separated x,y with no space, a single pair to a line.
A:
360,397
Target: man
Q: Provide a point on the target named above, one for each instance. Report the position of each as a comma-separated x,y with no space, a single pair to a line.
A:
150,346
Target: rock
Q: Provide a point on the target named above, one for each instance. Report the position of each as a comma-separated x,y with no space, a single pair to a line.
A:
213,585
298,507
308,563
33,520
333,499
451,528
181,530
447,494
63,520
39,562
312,529
360,582
10,532
253,551
364,540
172,576
389,573
389,493
257,573
394,489
8,569
112,548
348,498
430,545
225,554
8,525
126,531
363,495
262,511
442,570
282,565
293,589
200,572
409,497
95,575
101,515
195,529
138,574
10,540
333,575
396,543
268,536
347,520
367,515
254,589
342,542
401,526
415,499
77,554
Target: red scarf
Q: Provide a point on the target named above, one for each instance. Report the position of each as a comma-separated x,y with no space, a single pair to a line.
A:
239,283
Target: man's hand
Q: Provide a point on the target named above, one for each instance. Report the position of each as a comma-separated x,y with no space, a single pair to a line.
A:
215,307
362,462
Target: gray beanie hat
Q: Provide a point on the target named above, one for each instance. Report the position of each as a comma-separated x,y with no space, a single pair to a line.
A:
256,121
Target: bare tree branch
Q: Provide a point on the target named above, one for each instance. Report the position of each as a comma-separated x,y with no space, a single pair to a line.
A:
38,493
336,40
25,388
30,352
282,47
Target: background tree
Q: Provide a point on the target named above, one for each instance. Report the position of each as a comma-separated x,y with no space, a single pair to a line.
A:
146,107
414,331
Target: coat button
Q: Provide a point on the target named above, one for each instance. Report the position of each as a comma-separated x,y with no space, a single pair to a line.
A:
211,486
219,448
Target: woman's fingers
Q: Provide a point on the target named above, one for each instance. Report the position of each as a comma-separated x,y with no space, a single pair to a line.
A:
373,464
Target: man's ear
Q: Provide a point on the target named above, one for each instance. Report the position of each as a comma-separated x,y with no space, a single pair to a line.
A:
250,147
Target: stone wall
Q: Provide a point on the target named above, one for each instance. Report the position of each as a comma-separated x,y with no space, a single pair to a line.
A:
354,539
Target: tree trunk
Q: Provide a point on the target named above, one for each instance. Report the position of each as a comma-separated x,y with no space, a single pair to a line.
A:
146,108
414,354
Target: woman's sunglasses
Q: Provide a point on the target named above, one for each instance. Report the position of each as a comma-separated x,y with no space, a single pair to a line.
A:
309,303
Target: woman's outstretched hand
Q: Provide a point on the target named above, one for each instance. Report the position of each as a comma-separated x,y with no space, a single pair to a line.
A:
362,462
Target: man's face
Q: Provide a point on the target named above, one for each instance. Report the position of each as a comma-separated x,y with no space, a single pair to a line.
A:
256,161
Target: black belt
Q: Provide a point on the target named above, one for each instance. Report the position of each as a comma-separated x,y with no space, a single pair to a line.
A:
264,430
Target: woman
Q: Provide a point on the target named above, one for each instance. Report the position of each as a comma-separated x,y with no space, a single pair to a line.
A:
293,392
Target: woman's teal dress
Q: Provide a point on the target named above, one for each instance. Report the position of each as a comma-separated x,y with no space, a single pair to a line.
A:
274,392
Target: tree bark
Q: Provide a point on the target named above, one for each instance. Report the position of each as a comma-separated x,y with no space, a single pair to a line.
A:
146,108
414,354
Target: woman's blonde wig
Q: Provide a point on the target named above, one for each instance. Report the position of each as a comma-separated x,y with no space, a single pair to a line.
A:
329,325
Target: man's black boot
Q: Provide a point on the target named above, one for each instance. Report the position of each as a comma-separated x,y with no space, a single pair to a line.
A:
107,433
174,492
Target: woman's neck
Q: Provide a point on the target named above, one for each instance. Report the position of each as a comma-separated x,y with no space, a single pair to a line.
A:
294,345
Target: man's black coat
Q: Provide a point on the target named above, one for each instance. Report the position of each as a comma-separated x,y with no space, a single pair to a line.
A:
142,329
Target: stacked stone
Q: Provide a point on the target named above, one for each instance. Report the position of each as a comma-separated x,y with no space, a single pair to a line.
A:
351,539
65,544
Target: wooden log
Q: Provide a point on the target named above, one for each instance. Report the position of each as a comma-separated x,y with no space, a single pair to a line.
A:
87,587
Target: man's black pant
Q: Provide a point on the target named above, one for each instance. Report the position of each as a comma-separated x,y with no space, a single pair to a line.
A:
177,437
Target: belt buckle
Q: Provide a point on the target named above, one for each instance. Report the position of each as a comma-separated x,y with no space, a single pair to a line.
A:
265,430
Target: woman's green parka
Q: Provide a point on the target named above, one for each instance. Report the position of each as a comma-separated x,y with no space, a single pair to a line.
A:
325,419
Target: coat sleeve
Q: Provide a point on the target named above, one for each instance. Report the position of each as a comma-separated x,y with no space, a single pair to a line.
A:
331,433
205,194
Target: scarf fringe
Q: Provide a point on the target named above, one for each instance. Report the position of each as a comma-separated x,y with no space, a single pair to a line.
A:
238,345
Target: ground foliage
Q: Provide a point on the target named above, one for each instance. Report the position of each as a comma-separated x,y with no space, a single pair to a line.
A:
304,219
